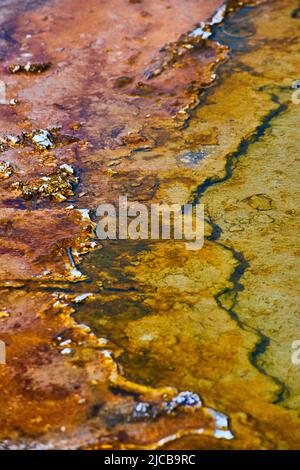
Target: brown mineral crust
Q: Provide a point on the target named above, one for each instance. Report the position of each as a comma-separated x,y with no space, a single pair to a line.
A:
98,78
37,168
47,391
63,400
28,332
95,54
81,83
113,97
58,186
34,243
38,385
84,82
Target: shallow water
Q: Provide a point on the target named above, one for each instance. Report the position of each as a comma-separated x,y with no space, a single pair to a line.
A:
215,125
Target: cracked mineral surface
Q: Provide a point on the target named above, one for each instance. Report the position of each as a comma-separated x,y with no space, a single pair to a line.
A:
144,344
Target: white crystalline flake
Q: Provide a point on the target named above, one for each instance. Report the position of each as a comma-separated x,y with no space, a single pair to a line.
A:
81,297
43,139
67,167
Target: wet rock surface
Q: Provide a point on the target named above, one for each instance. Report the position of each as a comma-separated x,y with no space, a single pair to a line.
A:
146,344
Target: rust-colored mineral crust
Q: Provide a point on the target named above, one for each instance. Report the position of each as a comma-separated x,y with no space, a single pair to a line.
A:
146,344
